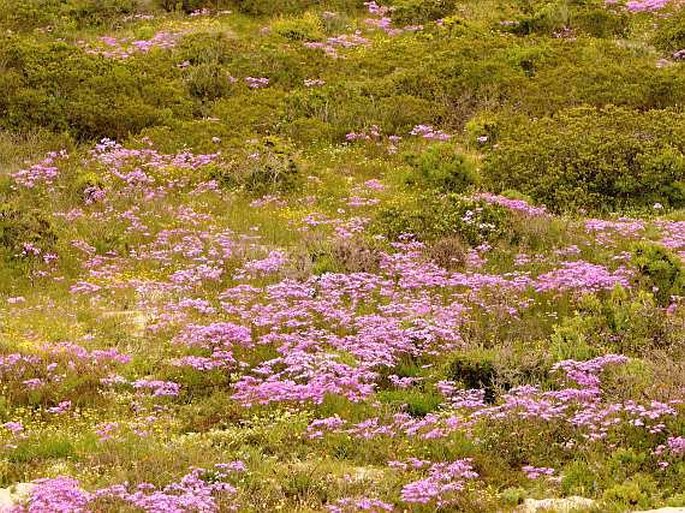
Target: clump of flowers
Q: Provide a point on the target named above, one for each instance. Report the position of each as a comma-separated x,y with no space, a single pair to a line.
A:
444,481
430,133
643,5
521,206
355,505
257,82
197,491
123,48
43,172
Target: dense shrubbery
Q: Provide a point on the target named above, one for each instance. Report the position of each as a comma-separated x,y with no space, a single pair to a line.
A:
441,167
270,7
595,159
60,87
265,167
409,12
432,217
31,14
591,17
670,34
21,229
661,270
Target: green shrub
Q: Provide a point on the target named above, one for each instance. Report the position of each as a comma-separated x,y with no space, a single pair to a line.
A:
413,12
661,271
272,7
19,226
475,370
207,75
87,13
267,166
602,160
207,48
549,17
307,27
255,112
636,491
415,402
431,217
598,21
441,167
30,14
580,478
198,136
60,87
670,33
589,16
620,323
482,129
192,5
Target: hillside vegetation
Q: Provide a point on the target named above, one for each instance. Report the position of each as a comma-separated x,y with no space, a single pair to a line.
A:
341,256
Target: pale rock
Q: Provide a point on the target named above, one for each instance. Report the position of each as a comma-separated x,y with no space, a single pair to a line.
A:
13,495
565,505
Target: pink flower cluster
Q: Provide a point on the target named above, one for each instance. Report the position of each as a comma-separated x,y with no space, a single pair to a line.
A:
537,472
582,277
520,206
430,133
644,5
382,20
197,491
43,172
441,485
357,505
257,82
332,45
123,48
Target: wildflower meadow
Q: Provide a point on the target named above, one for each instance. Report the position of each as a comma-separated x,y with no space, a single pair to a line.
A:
342,256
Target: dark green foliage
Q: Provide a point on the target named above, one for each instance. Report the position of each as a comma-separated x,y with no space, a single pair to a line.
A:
670,34
617,323
416,403
600,160
30,14
19,226
432,217
660,269
267,166
409,12
87,13
441,167
272,7
475,370
589,16
60,87
207,55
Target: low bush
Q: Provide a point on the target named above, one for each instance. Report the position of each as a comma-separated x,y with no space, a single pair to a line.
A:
60,87
307,27
431,217
31,14
601,160
670,34
273,7
412,12
589,16
441,167
660,270
21,228
267,166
